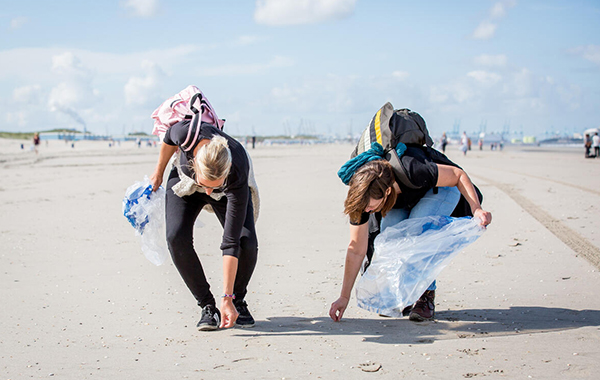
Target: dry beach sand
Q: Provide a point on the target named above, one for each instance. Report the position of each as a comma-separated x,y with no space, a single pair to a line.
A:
80,301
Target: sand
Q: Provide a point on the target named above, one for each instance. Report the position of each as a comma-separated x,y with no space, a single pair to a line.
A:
80,301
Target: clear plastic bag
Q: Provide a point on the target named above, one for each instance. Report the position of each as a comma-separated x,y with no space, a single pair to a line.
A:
408,257
145,211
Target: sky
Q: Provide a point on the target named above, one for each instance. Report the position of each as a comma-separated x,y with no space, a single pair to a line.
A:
272,67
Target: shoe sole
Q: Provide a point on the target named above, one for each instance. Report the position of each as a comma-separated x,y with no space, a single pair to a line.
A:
418,318
207,328
244,326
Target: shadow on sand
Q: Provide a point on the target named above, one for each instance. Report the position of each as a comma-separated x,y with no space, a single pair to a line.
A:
448,325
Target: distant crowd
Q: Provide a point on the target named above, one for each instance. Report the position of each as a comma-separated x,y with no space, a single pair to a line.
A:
465,143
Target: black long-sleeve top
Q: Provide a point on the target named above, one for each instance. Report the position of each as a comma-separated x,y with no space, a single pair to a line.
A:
235,186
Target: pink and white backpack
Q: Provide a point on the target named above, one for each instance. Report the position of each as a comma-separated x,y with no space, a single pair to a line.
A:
189,103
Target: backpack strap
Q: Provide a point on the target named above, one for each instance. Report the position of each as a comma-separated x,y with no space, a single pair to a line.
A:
399,171
382,128
202,103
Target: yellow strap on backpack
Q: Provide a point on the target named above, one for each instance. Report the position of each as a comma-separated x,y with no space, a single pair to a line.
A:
378,126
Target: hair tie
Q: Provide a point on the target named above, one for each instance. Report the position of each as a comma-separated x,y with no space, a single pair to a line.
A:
375,153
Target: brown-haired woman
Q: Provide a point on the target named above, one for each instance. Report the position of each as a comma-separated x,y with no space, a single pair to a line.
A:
377,199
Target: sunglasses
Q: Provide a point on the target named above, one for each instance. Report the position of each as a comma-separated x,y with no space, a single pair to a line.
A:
215,188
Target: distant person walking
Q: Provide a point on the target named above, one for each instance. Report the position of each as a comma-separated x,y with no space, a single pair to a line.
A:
464,143
444,142
596,144
587,143
36,142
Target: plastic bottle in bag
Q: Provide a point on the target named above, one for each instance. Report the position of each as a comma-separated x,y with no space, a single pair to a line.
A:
408,257
145,211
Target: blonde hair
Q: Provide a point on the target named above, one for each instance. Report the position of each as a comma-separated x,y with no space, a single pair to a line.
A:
213,160
370,181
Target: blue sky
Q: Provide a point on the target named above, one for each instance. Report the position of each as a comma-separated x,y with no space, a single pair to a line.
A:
325,66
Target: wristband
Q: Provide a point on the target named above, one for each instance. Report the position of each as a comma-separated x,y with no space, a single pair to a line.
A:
232,296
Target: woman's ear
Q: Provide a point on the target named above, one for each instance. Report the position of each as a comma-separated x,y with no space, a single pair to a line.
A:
388,191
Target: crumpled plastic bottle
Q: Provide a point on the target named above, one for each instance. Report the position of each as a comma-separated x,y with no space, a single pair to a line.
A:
145,211
408,257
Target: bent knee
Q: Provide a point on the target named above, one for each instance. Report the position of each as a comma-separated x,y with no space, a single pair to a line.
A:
177,241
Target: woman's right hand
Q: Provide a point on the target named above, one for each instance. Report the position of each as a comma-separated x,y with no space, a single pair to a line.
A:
337,308
156,180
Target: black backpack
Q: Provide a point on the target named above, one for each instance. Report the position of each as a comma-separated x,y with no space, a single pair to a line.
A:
389,127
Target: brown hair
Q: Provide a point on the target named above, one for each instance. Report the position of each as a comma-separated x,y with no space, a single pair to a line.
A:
370,182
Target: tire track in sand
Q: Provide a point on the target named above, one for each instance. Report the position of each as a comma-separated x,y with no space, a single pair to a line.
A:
570,237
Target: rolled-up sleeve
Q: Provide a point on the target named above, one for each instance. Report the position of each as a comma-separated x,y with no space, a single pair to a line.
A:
176,134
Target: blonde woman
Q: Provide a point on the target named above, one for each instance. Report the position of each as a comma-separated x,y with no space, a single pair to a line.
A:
213,170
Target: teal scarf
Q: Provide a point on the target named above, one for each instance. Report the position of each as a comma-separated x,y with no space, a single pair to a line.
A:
375,153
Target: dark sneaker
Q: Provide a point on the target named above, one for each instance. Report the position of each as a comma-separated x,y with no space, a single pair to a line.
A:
245,318
424,308
210,319
405,312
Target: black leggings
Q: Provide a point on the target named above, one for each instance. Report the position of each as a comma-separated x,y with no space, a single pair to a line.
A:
181,214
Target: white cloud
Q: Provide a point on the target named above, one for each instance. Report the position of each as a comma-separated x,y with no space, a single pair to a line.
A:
518,93
69,65
145,91
88,86
141,8
66,95
521,85
485,30
342,97
570,95
18,22
484,77
17,118
438,94
32,64
27,94
499,60
298,12
589,52
455,93
74,93
246,69
400,75
500,8
329,94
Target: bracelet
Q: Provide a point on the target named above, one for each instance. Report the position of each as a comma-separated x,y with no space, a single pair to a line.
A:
232,296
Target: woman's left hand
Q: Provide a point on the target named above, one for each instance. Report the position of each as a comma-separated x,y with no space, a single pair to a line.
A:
484,216
228,313
337,308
